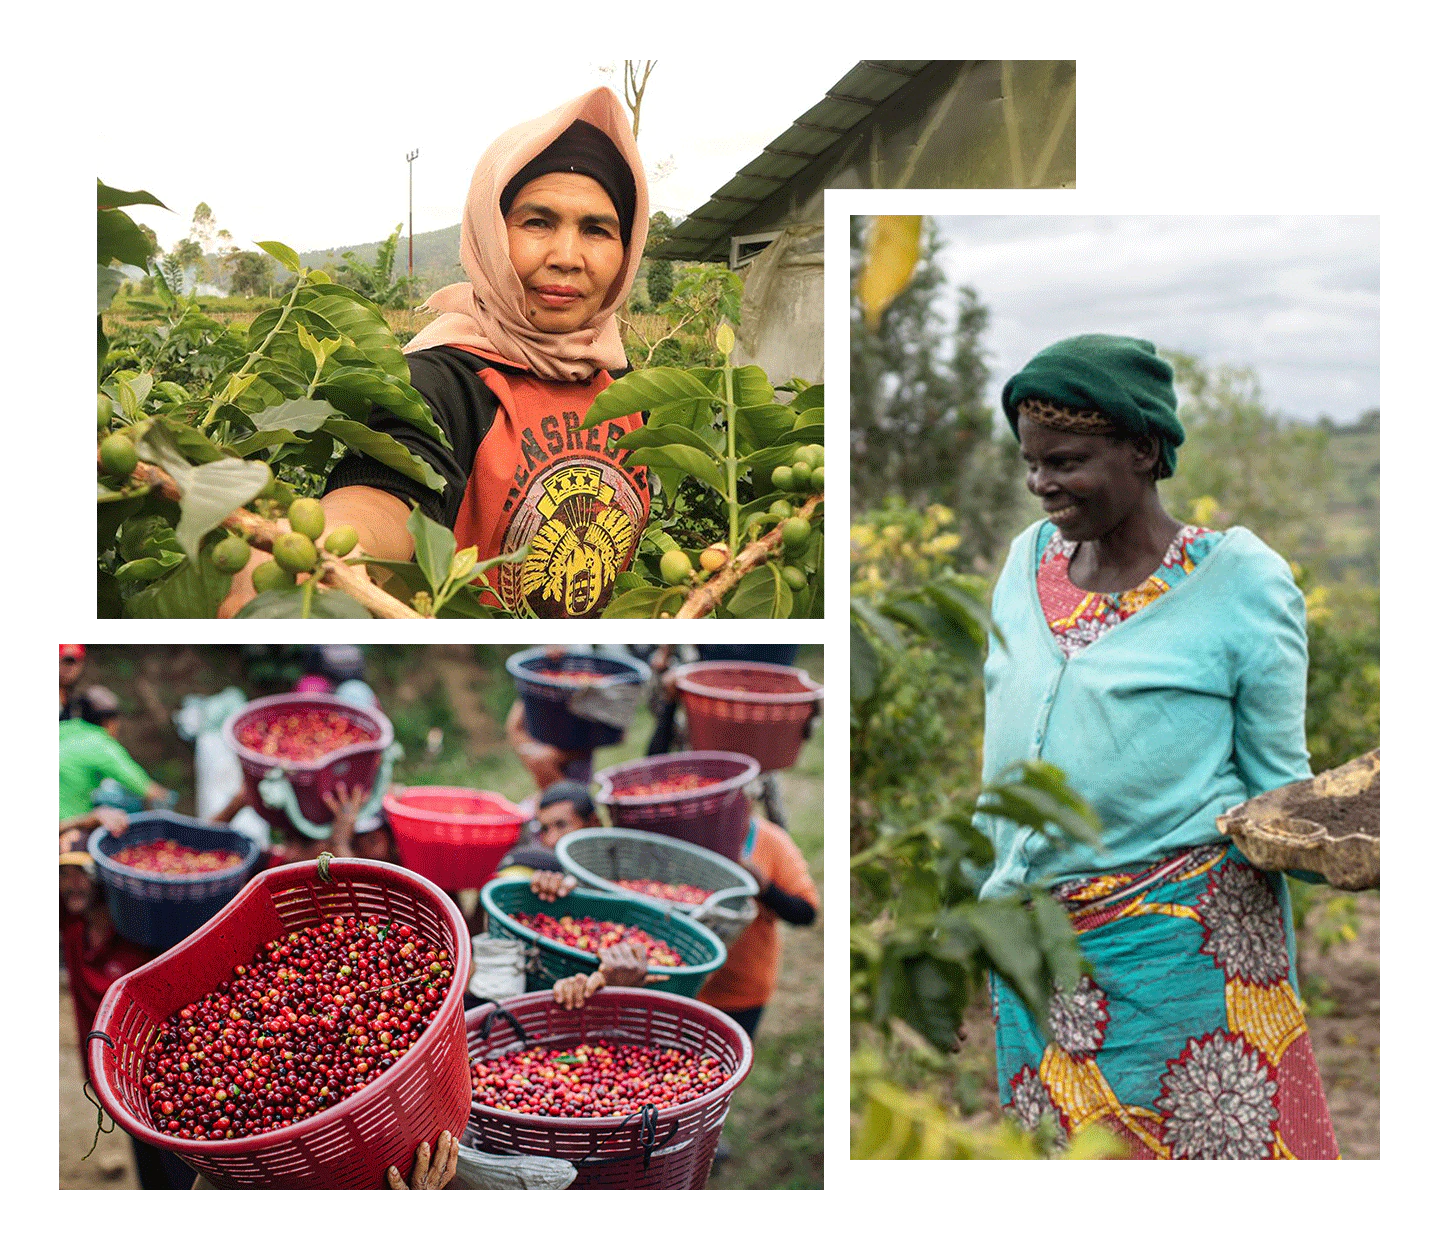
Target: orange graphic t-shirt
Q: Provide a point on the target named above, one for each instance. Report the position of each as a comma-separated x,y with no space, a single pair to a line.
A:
538,478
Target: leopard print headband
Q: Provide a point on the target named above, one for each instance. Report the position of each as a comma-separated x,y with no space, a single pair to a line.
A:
1062,417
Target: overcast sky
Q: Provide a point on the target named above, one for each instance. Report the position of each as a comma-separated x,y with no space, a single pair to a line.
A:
327,171
1297,298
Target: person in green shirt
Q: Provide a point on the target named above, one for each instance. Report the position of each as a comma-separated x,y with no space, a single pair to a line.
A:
89,754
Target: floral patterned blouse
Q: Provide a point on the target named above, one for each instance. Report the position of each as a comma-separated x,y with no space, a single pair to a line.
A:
1077,616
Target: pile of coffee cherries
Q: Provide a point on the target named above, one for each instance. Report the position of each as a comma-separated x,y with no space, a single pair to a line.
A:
303,735
594,1079
571,677
588,934
313,1018
671,892
676,784
175,859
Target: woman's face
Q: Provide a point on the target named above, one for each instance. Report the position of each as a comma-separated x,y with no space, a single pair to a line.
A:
565,246
77,891
1087,483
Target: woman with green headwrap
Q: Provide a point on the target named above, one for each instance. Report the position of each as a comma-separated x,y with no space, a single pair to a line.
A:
1162,666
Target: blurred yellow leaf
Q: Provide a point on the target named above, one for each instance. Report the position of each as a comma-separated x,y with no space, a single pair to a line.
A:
892,251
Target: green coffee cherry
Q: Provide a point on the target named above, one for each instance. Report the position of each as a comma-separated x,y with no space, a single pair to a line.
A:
795,533
294,553
104,411
270,576
794,577
231,554
783,478
117,455
341,540
307,517
675,567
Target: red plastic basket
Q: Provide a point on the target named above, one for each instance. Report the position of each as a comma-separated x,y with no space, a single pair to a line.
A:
313,779
762,709
672,1151
717,817
452,836
350,1145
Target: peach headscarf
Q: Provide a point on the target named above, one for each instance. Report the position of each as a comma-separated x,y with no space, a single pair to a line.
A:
488,312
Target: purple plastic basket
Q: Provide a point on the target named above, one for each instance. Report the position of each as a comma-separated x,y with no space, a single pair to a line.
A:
312,780
155,909
716,817
548,719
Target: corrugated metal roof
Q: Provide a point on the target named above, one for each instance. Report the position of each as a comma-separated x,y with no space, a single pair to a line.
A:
705,234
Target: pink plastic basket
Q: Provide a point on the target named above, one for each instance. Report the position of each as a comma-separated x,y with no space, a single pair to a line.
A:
452,836
674,1148
716,817
313,779
762,709
350,1145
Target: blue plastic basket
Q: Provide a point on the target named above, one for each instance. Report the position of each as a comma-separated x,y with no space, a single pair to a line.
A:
548,717
549,961
160,909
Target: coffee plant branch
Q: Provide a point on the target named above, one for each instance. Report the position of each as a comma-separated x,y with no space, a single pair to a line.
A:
334,572
706,598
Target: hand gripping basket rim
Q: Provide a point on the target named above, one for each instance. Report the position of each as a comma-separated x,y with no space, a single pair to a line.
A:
687,674
748,887
107,863
255,1142
395,802
487,902
629,994
637,670
380,743
606,778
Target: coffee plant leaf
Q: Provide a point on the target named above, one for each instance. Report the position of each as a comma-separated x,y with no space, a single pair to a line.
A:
355,390
112,197
647,390
434,547
665,435
196,588
762,592
119,238
289,604
750,387
295,415
806,430
385,449
763,424
361,322
808,397
643,601
192,444
864,666
148,568
683,457
108,282
210,493
287,256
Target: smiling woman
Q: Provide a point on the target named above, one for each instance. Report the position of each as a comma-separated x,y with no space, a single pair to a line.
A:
1163,668
551,238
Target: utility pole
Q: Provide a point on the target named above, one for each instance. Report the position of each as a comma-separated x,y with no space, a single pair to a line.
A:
410,165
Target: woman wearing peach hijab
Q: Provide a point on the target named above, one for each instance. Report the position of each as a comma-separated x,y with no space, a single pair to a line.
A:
550,240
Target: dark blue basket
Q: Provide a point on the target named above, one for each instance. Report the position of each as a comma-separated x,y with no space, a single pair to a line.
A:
548,719
158,909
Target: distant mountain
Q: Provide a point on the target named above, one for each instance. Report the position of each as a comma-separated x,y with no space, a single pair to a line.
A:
437,255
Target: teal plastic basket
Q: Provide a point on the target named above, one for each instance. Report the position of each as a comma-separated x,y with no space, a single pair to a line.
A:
549,961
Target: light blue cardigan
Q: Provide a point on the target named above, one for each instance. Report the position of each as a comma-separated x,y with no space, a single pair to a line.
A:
1192,705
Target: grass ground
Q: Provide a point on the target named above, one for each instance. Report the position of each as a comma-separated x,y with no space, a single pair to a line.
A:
775,1129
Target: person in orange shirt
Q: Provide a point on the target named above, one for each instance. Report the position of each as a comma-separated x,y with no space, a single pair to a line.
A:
744,984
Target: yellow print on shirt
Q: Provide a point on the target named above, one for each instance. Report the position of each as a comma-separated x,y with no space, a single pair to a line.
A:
581,545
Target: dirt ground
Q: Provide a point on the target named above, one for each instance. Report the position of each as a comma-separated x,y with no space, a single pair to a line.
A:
1341,989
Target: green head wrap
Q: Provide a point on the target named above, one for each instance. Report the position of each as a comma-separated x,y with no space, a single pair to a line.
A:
1124,378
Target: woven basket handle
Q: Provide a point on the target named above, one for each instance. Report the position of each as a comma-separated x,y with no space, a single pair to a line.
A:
720,896
489,1022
